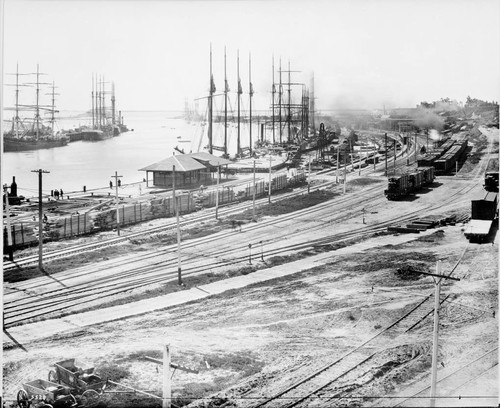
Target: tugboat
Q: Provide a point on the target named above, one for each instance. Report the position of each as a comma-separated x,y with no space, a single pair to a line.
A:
35,135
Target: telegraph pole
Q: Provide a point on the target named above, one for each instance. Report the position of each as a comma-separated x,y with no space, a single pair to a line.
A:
309,177
116,177
40,218
270,180
176,208
395,151
217,194
167,384
435,337
435,333
385,153
253,207
9,231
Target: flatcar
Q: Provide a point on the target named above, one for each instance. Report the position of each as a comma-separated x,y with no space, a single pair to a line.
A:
408,183
484,213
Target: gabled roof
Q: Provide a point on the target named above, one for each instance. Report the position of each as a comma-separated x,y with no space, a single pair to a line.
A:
187,162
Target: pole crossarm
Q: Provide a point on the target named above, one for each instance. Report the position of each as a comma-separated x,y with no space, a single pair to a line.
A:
172,365
436,275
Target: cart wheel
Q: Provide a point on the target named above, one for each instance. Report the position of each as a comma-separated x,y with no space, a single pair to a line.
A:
89,398
53,377
22,399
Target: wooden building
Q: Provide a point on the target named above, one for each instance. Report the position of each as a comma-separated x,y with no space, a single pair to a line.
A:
191,170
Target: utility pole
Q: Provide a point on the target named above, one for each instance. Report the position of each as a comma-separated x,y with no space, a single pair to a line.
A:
116,177
338,159
395,152
166,361
9,231
345,171
176,209
435,333
167,384
435,337
309,177
385,154
40,218
253,207
270,181
217,194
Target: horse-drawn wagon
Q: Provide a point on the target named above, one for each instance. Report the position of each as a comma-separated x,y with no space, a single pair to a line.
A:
83,382
45,394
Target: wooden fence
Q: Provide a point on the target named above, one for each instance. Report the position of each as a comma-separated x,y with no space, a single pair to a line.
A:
99,220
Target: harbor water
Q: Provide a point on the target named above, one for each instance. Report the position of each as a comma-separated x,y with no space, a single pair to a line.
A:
92,164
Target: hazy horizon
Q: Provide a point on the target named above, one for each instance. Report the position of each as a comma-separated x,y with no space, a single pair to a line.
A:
363,54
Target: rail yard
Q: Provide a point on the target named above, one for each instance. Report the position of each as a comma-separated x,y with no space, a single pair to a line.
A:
305,299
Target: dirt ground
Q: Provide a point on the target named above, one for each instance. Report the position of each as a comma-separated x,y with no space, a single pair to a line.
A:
254,342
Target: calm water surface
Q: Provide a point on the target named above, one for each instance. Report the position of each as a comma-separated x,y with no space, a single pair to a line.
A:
92,164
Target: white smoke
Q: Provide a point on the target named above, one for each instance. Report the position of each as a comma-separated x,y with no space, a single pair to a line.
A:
434,134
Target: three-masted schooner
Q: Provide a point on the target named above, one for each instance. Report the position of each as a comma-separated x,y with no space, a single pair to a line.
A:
33,133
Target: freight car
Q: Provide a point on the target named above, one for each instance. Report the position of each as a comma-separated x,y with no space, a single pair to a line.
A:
406,184
430,158
448,160
484,214
491,181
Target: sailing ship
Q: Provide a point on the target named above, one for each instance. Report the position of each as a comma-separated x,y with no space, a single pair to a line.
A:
104,122
226,132
32,133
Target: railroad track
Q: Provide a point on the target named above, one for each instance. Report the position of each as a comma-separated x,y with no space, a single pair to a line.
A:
155,268
334,377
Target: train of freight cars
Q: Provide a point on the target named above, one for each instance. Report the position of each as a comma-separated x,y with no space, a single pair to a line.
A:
440,161
445,158
408,183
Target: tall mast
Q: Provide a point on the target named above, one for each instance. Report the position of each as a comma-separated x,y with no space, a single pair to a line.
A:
226,90
289,116
113,103
93,121
280,92
37,108
103,102
250,92
313,125
240,91
273,92
210,104
17,101
53,110
99,103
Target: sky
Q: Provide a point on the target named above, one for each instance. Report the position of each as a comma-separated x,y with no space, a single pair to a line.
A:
363,54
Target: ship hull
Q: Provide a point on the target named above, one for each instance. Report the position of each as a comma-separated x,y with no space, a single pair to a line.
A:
13,144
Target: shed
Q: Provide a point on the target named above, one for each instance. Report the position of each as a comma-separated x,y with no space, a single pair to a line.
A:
191,170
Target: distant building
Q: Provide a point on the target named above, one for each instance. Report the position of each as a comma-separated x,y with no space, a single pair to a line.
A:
191,170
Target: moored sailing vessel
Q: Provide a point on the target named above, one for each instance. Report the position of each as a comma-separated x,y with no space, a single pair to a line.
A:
104,122
32,133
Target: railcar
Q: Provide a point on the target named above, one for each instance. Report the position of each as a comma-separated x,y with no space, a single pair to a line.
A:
448,160
484,214
408,183
491,181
